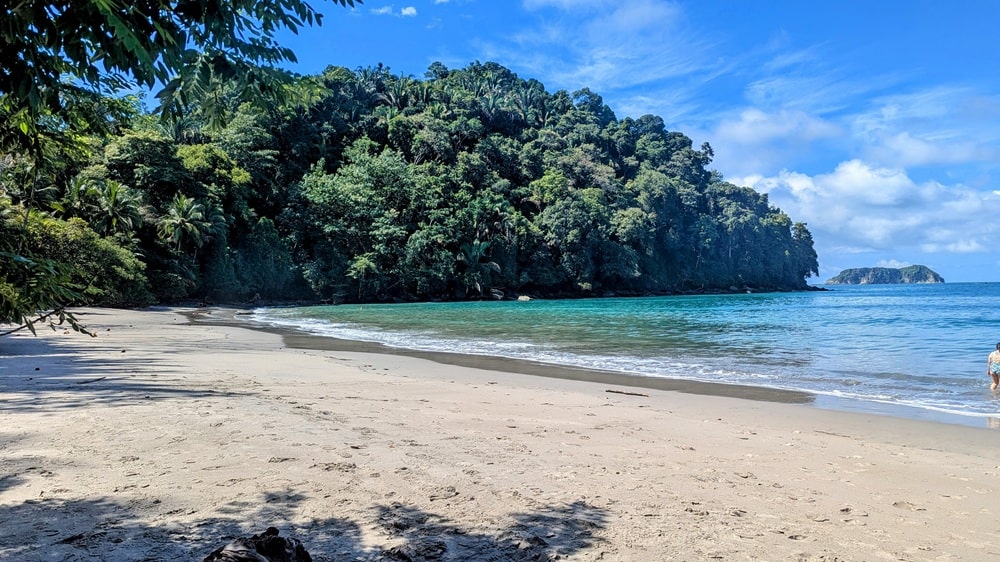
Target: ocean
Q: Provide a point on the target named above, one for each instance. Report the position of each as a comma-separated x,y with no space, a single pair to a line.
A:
906,350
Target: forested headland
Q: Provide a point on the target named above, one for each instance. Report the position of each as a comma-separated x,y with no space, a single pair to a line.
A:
364,185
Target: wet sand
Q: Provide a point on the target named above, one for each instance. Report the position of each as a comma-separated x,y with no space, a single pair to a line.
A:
303,340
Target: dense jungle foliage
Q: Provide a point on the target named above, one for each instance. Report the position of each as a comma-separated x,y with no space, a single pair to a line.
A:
467,183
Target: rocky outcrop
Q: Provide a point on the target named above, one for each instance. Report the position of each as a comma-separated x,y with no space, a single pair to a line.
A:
886,275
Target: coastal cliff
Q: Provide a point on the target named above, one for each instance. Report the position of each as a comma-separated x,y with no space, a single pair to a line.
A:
886,275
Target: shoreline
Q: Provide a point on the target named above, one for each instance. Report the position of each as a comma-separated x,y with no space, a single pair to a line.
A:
163,439
302,339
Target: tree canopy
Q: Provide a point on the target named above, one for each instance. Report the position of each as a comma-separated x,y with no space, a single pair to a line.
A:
58,55
61,63
468,183
356,185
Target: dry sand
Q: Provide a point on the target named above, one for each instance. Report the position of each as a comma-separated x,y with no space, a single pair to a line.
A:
162,439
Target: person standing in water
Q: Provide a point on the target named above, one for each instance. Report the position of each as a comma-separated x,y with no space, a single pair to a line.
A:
993,367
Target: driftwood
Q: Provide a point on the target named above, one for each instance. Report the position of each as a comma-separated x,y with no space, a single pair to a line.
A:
626,393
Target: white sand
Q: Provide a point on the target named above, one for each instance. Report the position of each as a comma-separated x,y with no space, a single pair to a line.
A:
160,440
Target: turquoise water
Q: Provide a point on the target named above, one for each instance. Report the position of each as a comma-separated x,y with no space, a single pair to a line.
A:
921,346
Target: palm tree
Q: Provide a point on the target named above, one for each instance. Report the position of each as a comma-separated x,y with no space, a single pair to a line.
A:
216,225
438,110
477,267
118,209
386,113
184,223
185,129
491,106
543,114
525,101
79,200
372,79
398,93
422,93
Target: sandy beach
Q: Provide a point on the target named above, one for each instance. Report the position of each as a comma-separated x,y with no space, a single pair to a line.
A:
163,438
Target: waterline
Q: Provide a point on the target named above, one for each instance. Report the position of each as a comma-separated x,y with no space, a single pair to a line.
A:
906,346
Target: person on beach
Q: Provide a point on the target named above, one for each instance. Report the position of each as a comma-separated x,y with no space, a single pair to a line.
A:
993,367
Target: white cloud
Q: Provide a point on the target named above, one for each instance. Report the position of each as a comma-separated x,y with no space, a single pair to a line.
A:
904,149
784,60
895,264
408,11
879,187
963,246
636,16
923,129
754,126
860,208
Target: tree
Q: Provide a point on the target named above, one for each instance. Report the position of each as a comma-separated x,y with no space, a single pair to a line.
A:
185,224
28,285
110,207
109,45
80,199
78,266
805,262
118,209
381,187
478,266
59,59
263,263
148,162
359,268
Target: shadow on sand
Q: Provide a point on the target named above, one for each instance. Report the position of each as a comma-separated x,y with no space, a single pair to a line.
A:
106,529
51,375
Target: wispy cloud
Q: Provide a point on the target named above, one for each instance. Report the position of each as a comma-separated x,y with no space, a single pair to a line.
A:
604,45
942,125
570,5
808,99
754,141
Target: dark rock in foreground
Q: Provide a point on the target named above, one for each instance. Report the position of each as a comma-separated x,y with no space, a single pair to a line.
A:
886,275
265,547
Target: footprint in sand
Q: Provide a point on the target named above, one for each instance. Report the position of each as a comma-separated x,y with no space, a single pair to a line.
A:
336,466
444,493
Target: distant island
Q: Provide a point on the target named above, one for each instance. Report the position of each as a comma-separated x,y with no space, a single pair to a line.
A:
886,276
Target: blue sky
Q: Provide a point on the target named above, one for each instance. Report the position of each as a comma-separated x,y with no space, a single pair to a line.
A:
877,123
